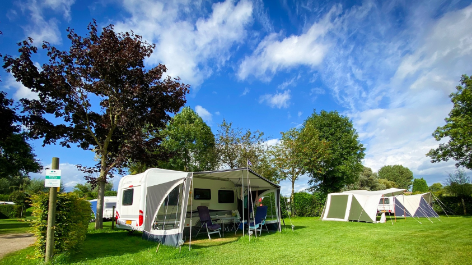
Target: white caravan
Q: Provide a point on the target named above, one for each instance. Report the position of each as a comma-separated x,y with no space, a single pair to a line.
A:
159,202
109,202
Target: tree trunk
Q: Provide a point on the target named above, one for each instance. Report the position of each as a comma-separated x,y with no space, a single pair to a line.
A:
100,202
292,211
463,205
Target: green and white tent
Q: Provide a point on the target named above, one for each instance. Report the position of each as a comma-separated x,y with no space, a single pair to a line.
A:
355,205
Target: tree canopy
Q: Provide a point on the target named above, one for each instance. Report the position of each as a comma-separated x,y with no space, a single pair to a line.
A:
191,142
367,180
458,128
341,164
101,97
402,176
419,185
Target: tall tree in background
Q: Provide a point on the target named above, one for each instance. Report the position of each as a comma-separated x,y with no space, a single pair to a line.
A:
101,96
458,184
287,159
402,176
367,180
458,129
419,185
191,142
341,163
235,147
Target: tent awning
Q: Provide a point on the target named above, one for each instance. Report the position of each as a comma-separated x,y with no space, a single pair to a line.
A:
239,176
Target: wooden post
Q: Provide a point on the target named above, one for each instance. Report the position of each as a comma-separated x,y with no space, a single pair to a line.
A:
113,219
51,216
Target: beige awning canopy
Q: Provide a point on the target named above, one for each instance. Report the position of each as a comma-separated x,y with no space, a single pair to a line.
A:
387,192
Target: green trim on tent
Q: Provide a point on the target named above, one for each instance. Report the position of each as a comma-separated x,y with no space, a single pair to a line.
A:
337,207
357,213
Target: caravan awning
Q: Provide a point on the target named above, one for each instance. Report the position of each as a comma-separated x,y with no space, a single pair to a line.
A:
239,176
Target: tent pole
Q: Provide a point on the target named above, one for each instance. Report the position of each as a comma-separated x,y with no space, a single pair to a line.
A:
191,212
439,203
242,197
394,215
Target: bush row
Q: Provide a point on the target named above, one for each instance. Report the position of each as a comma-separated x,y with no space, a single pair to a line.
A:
72,219
453,205
306,204
10,211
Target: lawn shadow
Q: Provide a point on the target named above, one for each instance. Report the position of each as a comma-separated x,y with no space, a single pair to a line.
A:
106,244
13,226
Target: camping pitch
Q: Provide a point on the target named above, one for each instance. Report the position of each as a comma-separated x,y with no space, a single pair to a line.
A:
163,203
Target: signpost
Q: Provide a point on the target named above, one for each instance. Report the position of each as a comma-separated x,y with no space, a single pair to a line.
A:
53,180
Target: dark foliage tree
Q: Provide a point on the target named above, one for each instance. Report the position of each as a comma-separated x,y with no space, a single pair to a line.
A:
458,129
419,185
101,97
342,163
402,176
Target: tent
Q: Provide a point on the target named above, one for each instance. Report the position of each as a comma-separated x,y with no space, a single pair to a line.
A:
418,205
355,205
163,203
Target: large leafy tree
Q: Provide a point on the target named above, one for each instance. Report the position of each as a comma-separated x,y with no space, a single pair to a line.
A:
235,146
458,128
297,152
419,185
16,154
341,163
368,180
101,97
191,142
402,176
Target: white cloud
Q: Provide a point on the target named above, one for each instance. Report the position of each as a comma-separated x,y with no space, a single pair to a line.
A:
275,53
190,43
300,114
278,100
246,91
202,112
19,90
41,29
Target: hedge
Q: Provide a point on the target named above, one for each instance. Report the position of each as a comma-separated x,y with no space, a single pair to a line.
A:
72,220
455,204
306,204
4,197
10,211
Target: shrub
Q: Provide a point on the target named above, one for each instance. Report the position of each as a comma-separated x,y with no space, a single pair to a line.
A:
453,203
10,211
306,204
72,219
4,197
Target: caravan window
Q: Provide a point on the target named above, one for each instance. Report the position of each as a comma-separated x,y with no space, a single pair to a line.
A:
225,196
128,197
173,197
202,194
384,201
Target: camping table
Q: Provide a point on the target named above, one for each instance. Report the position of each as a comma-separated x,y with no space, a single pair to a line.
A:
224,220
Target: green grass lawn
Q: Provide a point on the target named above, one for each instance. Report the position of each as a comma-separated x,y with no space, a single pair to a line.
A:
313,241
14,226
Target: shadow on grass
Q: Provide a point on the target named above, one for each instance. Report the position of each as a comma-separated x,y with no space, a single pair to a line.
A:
13,226
106,244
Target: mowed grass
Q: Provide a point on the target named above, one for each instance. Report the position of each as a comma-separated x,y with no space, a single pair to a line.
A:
14,226
312,242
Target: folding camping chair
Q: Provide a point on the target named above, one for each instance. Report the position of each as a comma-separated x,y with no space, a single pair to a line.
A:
261,214
205,220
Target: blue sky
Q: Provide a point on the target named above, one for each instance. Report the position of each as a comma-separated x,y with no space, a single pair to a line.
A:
267,65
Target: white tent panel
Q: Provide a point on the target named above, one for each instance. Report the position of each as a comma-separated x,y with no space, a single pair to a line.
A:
369,203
